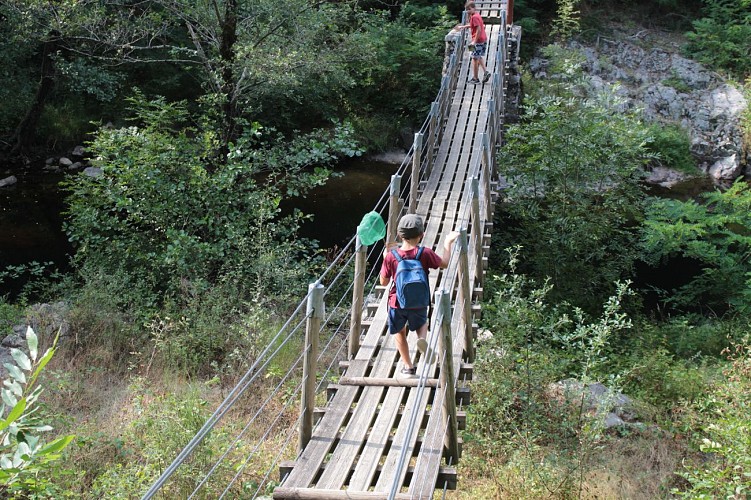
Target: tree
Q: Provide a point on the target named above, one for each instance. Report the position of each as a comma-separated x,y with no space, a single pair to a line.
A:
94,33
574,167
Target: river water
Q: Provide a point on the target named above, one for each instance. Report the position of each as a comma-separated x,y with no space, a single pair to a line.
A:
31,212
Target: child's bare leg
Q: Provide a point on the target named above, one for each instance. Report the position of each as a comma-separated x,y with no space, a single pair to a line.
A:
422,332
403,347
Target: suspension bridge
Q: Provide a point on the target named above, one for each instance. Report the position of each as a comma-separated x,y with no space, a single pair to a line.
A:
328,417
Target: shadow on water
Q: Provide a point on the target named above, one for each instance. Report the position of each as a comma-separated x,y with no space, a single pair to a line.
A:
31,216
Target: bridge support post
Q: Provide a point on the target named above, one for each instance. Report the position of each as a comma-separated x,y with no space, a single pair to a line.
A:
394,208
312,331
355,322
414,182
433,127
447,376
477,227
487,173
465,295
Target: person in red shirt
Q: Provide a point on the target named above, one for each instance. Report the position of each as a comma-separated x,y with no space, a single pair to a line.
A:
479,40
411,229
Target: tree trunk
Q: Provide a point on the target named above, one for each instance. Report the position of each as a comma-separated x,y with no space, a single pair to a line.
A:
230,130
25,131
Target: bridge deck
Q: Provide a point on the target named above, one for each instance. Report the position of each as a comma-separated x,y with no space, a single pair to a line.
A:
355,448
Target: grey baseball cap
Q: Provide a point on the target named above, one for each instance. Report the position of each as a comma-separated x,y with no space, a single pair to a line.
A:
410,226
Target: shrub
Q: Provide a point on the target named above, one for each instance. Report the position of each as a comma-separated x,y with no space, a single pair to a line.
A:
723,38
717,233
574,167
26,462
726,473
672,146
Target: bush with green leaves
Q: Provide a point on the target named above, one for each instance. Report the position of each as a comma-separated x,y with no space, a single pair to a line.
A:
26,461
725,469
671,146
574,167
170,222
716,232
535,343
722,38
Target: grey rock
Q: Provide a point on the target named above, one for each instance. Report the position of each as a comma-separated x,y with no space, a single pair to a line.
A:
613,420
78,151
65,162
726,169
77,165
92,171
49,319
665,177
14,340
49,161
8,181
5,357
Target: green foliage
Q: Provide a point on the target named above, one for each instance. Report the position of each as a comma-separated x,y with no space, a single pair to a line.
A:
165,222
25,460
671,145
726,441
517,415
567,21
401,73
717,234
574,167
166,423
722,39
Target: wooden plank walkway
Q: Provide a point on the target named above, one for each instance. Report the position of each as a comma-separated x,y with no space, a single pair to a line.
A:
356,446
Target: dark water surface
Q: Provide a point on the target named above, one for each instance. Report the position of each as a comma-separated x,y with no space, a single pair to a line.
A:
31,221
31,212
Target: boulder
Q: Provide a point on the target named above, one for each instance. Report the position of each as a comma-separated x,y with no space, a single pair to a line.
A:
65,162
616,408
665,177
726,169
92,171
78,152
8,181
77,165
49,319
49,161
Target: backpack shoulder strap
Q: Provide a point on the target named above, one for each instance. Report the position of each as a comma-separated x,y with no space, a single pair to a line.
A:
396,255
419,253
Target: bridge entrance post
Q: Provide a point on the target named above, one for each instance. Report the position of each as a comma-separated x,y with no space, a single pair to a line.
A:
465,295
312,330
358,292
447,376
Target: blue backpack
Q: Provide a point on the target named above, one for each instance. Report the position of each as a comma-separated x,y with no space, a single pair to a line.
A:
411,281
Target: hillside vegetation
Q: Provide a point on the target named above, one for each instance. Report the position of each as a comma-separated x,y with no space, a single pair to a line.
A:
204,117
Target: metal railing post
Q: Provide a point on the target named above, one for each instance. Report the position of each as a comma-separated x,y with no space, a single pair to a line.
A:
465,295
312,330
394,208
477,226
446,349
358,297
414,182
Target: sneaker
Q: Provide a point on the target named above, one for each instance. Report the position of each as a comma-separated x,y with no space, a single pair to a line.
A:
486,77
474,81
409,372
422,345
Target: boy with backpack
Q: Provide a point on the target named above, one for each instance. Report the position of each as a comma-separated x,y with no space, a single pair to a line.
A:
409,296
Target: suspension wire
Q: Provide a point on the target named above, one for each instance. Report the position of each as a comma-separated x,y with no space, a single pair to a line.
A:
250,375
247,426
290,433
253,372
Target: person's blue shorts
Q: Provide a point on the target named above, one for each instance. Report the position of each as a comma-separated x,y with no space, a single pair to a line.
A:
479,51
400,317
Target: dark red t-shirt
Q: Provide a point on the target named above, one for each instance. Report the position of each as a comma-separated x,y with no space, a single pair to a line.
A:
429,259
475,24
